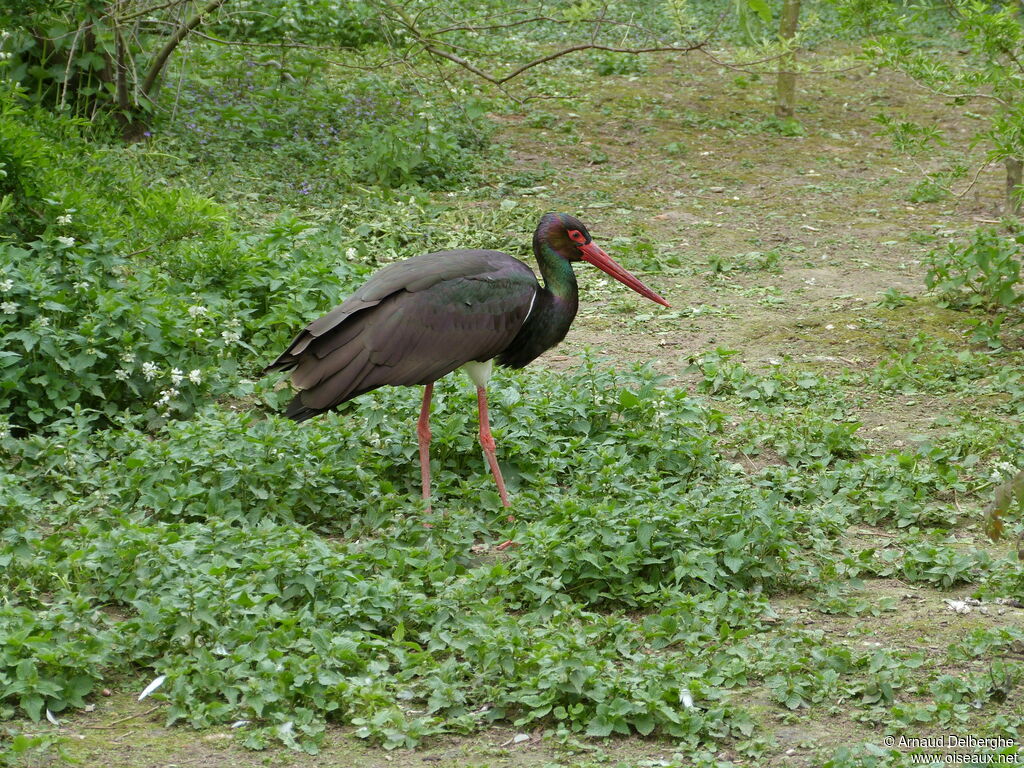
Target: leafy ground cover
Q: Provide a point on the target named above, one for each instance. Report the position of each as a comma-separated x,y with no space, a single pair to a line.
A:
756,549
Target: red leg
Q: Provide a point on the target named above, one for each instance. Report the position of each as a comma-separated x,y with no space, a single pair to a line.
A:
487,443
423,430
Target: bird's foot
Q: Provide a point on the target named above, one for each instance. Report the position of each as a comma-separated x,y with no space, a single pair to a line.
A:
507,545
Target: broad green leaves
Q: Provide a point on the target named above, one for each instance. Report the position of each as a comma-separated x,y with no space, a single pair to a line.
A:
983,273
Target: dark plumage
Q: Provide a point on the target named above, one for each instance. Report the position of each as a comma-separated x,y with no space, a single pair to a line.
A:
411,323
417,320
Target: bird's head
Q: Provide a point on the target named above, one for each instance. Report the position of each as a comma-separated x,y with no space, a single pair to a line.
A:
569,237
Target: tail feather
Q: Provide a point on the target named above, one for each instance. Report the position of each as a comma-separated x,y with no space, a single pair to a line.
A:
299,411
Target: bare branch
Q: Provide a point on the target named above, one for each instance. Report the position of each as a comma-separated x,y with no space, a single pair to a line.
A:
946,95
304,46
974,181
179,34
590,46
145,11
749,66
500,80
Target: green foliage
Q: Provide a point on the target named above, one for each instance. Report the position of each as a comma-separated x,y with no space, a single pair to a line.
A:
607,63
928,563
894,298
350,24
24,156
74,335
91,58
213,624
83,327
281,577
867,755
753,261
190,532
907,136
423,149
721,375
52,658
316,136
15,746
982,273
986,69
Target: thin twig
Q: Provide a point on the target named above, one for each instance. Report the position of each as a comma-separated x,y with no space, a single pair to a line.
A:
138,14
288,44
123,719
974,181
557,55
67,70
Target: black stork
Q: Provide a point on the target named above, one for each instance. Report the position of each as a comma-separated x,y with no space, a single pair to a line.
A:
419,319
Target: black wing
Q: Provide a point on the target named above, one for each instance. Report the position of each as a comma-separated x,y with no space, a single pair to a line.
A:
411,323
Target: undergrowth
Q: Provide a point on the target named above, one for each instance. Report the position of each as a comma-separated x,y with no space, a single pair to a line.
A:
160,521
276,575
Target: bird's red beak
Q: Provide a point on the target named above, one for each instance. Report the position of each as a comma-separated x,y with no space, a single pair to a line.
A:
593,254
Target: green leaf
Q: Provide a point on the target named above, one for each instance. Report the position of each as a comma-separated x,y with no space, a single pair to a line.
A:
599,727
628,399
644,724
761,8
644,533
733,563
32,703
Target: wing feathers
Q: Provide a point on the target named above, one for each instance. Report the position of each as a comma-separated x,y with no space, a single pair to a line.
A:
311,369
411,323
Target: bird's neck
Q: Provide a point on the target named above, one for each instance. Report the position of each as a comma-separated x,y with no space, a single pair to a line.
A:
559,279
550,315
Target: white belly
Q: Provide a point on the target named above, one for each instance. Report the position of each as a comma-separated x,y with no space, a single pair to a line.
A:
479,372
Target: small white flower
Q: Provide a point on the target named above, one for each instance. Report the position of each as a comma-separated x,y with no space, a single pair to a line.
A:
351,253
8,307
6,285
196,310
44,322
121,374
66,241
197,331
176,376
81,286
195,376
1002,470
230,337
127,357
65,219
150,371
166,396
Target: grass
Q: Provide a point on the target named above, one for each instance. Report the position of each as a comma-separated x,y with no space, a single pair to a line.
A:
739,554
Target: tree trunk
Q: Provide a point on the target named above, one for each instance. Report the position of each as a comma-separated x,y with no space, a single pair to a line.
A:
121,72
176,37
1014,166
785,84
